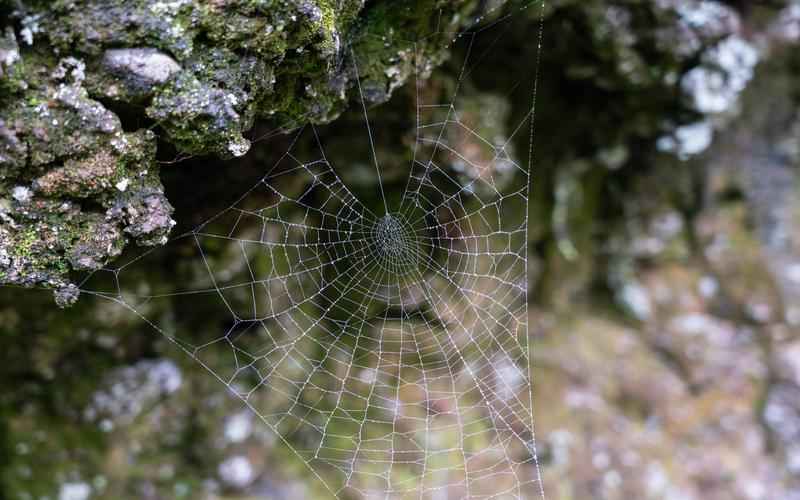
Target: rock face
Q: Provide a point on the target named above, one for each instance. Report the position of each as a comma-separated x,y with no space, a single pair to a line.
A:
78,181
79,185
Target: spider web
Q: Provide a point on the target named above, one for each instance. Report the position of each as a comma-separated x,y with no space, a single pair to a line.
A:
385,344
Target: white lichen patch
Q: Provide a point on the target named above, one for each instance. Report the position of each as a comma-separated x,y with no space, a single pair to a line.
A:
131,389
120,142
688,140
636,299
715,85
707,15
27,35
168,8
238,427
392,71
239,147
122,185
509,378
787,24
70,67
8,57
708,286
30,27
74,491
22,194
236,471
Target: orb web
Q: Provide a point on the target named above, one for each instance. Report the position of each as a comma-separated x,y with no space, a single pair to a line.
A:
385,344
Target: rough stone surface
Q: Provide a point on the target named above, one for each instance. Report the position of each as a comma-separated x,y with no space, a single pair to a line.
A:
79,77
63,154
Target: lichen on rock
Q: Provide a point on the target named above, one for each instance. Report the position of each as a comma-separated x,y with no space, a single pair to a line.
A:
64,158
78,77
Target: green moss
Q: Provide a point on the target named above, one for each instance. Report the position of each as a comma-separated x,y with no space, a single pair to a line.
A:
24,244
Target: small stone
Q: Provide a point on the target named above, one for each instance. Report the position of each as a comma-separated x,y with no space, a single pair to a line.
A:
140,68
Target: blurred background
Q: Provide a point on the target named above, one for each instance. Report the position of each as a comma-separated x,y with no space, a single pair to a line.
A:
664,273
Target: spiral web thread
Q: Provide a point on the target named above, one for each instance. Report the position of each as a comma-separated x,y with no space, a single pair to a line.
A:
387,346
